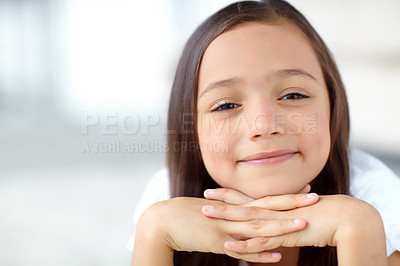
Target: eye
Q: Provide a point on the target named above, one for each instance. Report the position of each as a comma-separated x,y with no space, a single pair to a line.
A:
294,96
225,106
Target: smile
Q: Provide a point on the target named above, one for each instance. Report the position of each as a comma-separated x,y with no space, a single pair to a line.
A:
268,158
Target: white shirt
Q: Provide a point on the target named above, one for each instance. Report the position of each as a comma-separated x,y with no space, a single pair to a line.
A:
370,181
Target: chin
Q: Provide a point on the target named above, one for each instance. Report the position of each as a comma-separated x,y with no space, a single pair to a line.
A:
264,194
258,194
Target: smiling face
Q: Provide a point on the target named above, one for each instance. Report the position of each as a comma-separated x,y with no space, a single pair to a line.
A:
263,110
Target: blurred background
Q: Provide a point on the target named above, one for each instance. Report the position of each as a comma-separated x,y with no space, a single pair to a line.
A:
84,89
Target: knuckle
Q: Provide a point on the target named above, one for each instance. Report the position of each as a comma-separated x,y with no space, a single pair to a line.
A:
223,210
224,191
251,211
264,241
259,256
256,224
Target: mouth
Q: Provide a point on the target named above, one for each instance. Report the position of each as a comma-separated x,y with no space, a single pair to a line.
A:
269,158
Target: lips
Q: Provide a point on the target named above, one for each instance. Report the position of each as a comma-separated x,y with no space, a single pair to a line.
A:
266,158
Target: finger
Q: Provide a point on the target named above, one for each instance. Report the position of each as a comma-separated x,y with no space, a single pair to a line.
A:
305,189
266,228
253,245
238,213
285,202
252,221
227,195
261,257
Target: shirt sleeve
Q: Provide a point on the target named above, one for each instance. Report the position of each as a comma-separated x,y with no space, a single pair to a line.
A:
373,182
156,190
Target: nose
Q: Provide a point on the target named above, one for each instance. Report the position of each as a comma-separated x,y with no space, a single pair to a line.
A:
265,119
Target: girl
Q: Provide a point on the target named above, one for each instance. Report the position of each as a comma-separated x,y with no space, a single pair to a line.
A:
258,107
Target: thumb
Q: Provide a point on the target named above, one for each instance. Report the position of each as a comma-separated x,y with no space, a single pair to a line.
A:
227,195
305,189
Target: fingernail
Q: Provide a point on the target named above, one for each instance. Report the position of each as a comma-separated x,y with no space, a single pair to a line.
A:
207,192
207,208
297,221
231,243
275,255
311,195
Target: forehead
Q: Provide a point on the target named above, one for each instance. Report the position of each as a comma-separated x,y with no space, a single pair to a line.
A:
256,47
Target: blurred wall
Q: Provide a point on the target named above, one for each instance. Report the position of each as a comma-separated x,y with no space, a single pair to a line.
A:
84,89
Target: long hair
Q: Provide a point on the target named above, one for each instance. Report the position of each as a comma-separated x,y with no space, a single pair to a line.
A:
188,175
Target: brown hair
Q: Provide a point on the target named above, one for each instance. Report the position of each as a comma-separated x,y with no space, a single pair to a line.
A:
188,175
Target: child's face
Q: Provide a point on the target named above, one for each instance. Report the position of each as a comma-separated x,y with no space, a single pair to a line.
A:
261,90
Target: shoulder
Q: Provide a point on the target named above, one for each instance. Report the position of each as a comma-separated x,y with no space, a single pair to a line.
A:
360,158
373,182
157,189
159,183
369,173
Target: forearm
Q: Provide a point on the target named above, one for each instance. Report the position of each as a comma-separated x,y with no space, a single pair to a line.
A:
362,241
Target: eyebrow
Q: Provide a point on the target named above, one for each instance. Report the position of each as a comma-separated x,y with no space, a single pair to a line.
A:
221,83
282,74
295,72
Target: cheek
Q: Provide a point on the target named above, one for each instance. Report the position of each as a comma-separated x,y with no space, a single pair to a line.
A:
316,143
216,144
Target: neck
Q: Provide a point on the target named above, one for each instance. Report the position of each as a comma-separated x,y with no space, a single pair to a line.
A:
290,257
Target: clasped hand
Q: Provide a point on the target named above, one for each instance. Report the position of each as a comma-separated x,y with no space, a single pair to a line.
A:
229,222
258,226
